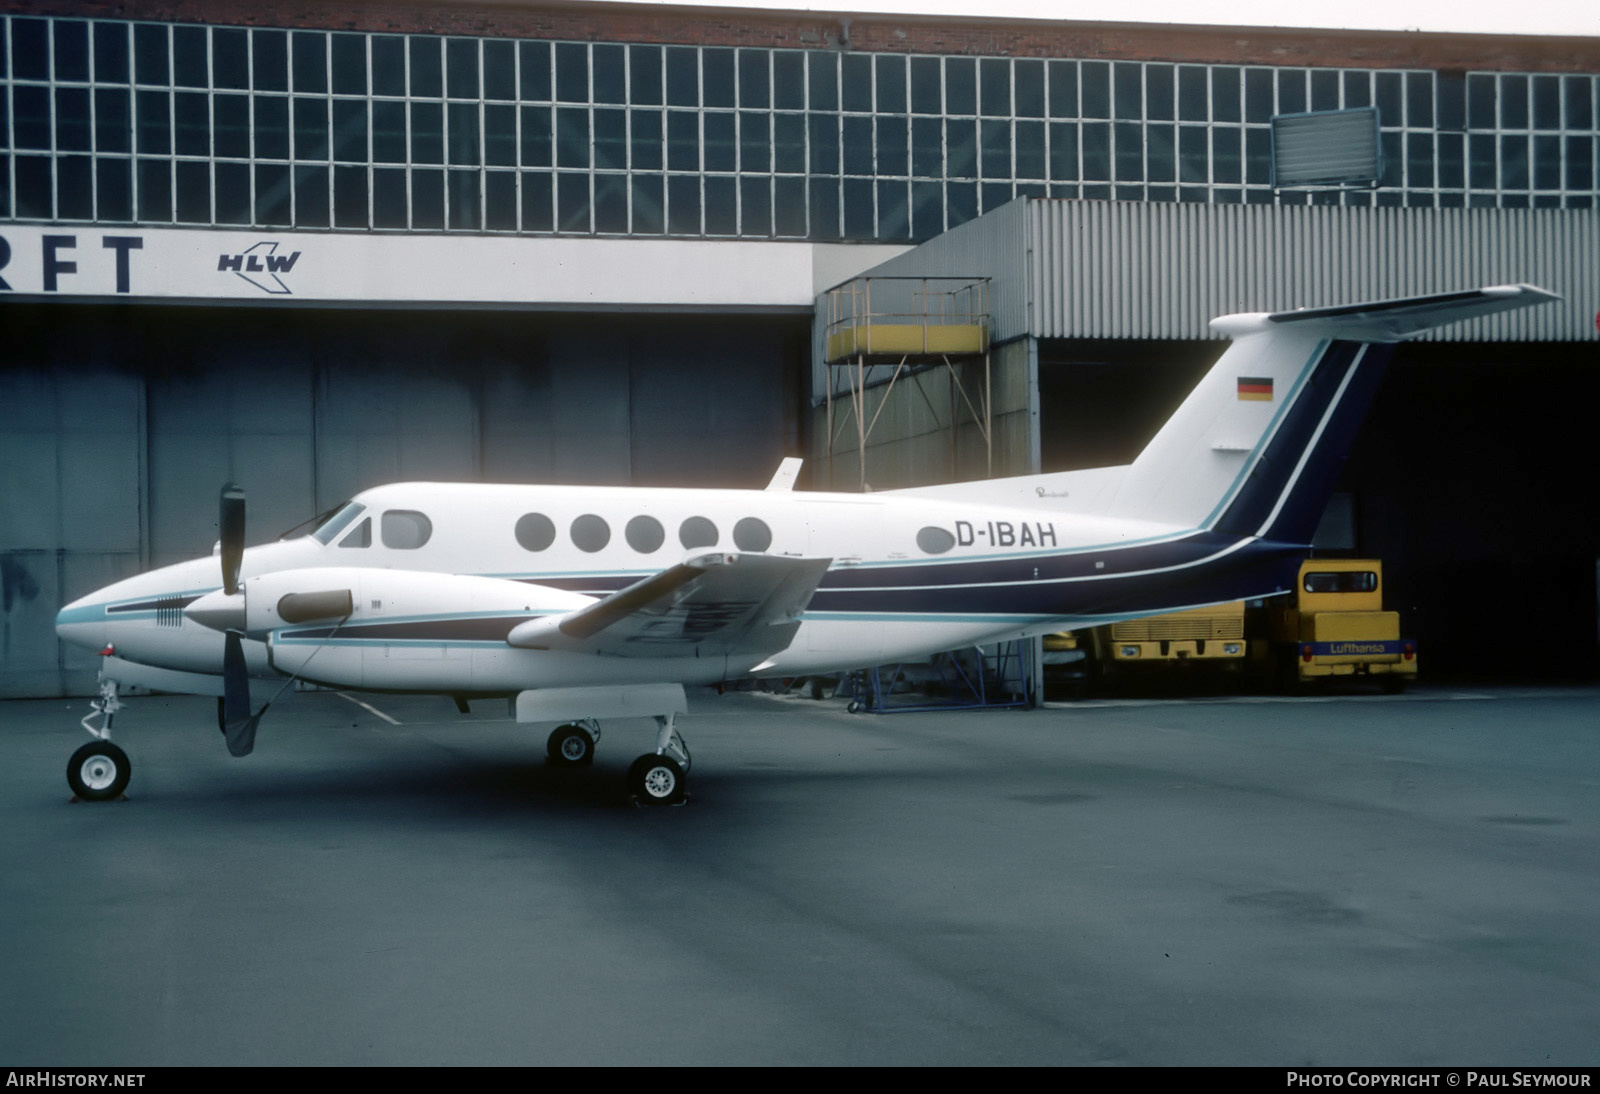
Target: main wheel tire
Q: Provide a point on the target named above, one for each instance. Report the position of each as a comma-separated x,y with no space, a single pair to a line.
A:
656,780
570,746
99,771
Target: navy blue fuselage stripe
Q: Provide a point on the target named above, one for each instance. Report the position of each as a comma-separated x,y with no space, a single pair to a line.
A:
588,584
1297,521
1253,569
1103,561
1273,468
993,587
490,629
166,603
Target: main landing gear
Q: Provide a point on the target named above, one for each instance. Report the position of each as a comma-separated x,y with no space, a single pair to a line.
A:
573,745
99,771
656,778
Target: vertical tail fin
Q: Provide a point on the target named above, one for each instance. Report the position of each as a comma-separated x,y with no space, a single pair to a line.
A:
1257,446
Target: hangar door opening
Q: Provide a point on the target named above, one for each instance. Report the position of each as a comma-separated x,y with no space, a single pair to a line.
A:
1100,402
118,426
1468,479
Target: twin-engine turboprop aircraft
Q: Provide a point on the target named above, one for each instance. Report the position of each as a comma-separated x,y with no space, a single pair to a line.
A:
583,603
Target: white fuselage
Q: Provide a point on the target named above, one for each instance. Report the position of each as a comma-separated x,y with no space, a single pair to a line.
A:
911,575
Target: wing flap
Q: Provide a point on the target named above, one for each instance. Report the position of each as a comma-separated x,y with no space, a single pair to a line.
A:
713,604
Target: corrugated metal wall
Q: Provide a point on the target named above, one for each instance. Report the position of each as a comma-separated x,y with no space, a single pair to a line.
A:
1088,270
1113,269
1147,270
995,246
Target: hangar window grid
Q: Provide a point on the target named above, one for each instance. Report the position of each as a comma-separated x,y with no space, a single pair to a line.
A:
157,123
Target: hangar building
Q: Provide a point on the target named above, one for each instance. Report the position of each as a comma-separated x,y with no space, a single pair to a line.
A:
312,247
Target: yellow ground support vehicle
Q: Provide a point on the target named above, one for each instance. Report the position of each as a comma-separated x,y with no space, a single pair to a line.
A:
1212,634
1334,627
1210,638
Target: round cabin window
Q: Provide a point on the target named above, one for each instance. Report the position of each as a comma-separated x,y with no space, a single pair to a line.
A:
590,533
645,534
697,532
536,532
751,534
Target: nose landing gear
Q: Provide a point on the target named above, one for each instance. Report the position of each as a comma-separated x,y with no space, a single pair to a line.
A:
99,771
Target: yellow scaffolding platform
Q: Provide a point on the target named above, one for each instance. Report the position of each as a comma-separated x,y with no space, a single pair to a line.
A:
905,324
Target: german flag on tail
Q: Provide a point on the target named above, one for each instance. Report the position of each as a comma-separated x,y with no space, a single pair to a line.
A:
1256,388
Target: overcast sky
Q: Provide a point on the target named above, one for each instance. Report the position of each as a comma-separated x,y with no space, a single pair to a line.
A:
1470,16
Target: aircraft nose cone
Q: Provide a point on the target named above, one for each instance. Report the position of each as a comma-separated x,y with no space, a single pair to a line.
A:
83,623
218,610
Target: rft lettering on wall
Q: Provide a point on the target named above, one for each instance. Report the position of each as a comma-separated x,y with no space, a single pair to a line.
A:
57,260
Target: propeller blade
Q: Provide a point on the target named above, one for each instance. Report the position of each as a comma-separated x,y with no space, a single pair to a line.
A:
230,525
238,724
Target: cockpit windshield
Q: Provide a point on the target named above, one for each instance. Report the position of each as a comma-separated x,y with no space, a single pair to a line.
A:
310,524
336,523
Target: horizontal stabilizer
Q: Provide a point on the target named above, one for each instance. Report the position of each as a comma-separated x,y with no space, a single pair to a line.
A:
1393,320
712,604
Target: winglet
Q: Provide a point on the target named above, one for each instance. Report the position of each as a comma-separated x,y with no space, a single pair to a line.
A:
787,472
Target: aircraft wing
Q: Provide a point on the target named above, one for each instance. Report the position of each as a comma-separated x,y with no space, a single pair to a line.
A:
712,604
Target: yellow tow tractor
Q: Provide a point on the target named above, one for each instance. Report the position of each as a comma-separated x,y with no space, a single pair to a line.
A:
1335,627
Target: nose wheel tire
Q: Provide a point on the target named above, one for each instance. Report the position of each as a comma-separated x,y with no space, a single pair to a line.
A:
656,780
99,771
570,746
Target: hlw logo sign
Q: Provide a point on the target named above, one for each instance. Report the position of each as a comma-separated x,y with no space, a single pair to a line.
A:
260,265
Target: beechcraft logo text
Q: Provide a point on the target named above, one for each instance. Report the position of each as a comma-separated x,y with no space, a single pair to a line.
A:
260,265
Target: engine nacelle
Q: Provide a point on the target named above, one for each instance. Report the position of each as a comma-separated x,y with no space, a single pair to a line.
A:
348,595
360,626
